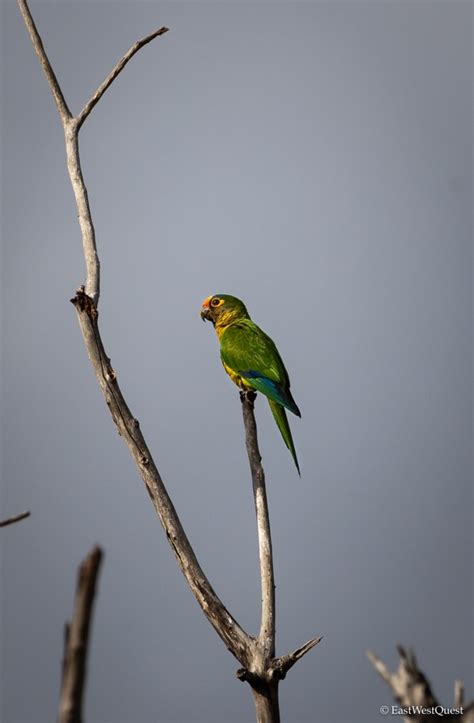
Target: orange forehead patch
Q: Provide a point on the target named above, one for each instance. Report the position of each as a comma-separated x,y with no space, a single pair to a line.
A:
205,303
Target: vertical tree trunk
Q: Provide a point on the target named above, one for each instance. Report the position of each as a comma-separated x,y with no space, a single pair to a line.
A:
265,697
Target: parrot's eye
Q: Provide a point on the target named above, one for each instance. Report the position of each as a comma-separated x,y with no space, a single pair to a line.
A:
216,302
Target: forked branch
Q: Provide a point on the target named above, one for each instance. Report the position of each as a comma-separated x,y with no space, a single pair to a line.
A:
71,126
412,691
262,670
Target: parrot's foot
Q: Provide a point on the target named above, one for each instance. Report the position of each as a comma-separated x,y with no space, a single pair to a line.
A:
248,395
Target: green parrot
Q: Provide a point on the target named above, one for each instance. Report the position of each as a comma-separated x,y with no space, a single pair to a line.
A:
251,359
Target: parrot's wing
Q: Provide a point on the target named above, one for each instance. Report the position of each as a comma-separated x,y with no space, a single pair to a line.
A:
247,350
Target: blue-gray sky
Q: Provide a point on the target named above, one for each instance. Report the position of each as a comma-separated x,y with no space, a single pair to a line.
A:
314,159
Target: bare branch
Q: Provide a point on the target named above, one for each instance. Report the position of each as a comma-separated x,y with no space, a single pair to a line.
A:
282,665
71,126
267,625
89,246
76,640
266,671
379,666
408,684
115,72
61,104
16,518
237,641
411,688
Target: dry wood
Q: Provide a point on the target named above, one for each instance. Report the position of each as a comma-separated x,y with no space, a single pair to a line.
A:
16,518
411,689
265,671
238,642
261,669
37,43
113,74
266,636
76,640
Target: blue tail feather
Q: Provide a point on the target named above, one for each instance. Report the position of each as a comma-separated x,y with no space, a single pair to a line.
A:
271,389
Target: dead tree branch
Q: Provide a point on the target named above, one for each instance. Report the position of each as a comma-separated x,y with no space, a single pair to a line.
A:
61,105
118,69
282,665
76,640
237,641
266,671
16,518
261,669
260,676
266,636
71,126
412,690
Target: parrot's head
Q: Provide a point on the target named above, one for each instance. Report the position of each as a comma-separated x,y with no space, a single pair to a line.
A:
223,309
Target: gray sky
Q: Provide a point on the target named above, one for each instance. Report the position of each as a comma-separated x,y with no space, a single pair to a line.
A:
313,159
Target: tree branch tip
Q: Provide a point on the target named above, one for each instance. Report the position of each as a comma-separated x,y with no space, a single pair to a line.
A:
299,652
97,551
376,662
91,561
401,651
282,665
379,666
16,518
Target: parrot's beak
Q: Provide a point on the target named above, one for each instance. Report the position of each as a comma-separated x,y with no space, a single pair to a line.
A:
205,313
205,309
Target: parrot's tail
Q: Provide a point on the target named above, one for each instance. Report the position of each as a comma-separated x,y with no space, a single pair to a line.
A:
279,415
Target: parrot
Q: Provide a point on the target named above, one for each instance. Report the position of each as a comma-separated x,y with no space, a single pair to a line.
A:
251,359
